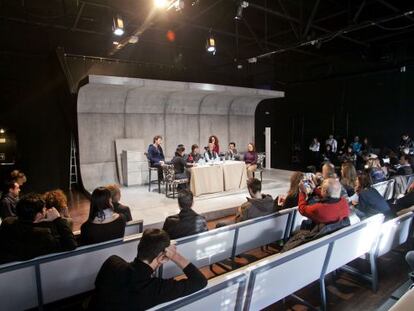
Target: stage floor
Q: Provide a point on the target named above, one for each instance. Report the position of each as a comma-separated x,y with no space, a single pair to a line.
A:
154,207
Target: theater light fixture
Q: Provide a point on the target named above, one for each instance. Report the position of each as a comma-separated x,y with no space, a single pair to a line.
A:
118,27
239,12
133,39
161,4
2,131
211,45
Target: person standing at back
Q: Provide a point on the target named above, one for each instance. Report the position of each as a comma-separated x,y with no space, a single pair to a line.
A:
331,141
9,199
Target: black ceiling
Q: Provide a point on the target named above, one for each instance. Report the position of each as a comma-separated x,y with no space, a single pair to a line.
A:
303,39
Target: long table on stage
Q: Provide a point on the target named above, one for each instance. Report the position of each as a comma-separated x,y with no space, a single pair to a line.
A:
225,176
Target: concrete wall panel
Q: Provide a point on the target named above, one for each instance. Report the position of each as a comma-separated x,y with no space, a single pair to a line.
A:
180,129
242,127
102,98
141,100
144,126
97,134
98,174
245,105
185,102
214,125
216,104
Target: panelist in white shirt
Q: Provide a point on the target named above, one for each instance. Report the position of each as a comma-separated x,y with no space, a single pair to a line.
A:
210,155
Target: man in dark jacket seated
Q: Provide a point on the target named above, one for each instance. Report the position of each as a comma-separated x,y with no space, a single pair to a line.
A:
332,207
36,231
121,285
405,166
9,199
187,222
258,205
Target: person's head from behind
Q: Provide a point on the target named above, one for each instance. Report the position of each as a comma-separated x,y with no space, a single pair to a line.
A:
31,208
18,177
405,136
356,139
157,140
12,188
404,159
115,192
185,199
57,199
328,170
348,173
151,248
363,182
232,146
315,140
180,151
251,147
331,188
295,180
350,150
100,201
254,186
328,148
195,149
331,136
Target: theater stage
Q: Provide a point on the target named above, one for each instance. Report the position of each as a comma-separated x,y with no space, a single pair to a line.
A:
153,207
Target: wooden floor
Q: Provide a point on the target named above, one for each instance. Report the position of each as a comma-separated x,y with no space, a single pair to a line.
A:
345,293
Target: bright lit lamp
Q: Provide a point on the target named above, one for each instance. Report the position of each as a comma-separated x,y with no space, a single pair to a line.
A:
211,45
161,4
118,26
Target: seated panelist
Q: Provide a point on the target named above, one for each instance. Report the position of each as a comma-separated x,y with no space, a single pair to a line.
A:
210,155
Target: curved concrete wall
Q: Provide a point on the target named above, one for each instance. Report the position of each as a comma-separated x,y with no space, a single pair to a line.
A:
111,107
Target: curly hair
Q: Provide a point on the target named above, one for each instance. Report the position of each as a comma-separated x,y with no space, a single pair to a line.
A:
57,199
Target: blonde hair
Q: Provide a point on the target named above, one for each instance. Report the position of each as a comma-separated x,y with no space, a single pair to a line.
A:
348,174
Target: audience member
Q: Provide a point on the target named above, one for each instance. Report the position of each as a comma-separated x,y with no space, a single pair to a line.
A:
343,146
328,155
35,231
370,201
331,141
250,158
187,221
332,208
231,153
18,177
9,199
366,146
121,285
210,155
291,199
57,199
405,167
103,223
349,156
214,140
314,148
258,205
156,155
375,170
195,155
348,177
406,142
356,145
116,198
404,202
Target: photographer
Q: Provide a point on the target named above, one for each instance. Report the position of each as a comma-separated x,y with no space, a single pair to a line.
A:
131,286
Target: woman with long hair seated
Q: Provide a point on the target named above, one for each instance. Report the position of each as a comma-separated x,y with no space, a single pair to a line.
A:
213,139
103,223
291,199
348,178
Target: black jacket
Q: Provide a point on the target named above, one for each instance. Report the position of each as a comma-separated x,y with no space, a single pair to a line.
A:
121,285
404,202
8,206
92,233
405,170
186,223
179,164
22,240
122,209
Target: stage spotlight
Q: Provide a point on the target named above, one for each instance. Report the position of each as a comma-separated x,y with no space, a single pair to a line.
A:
115,42
2,131
118,27
211,45
161,4
133,39
239,12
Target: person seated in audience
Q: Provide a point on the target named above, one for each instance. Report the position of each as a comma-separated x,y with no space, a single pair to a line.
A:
250,158
314,148
210,155
349,156
156,155
348,178
356,146
328,155
343,146
405,167
120,285
258,205
375,170
332,207
328,171
18,177
406,142
370,201
214,140
331,141
404,202
187,222
57,199
34,232
291,199
103,223
366,146
9,199
116,197
232,154
195,155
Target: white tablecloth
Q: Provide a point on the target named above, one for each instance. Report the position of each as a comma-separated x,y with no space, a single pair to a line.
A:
230,175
